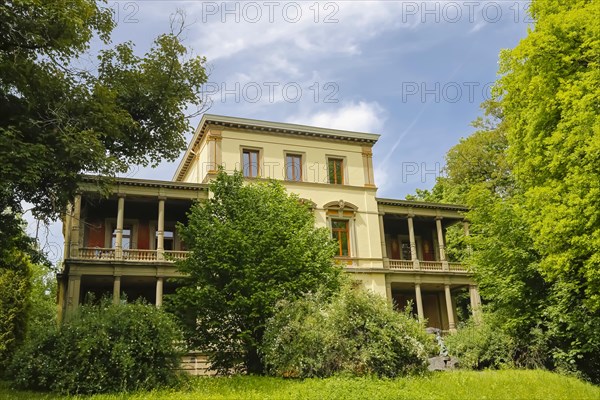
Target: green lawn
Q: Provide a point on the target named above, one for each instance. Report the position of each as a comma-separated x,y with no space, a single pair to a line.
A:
459,385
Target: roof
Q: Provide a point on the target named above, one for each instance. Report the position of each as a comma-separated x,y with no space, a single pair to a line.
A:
145,182
266,127
422,204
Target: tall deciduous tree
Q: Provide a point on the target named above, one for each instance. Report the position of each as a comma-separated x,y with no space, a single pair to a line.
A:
58,120
550,95
536,242
251,246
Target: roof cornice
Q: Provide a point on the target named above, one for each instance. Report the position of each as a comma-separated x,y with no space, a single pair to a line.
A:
143,182
421,204
270,127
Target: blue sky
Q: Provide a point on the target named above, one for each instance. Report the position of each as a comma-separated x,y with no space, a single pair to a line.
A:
413,71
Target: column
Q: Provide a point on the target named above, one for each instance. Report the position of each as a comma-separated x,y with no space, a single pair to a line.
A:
413,243
211,145
119,229
442,248
159,291
73,290
367,154
116,290
419,302
384,255
75,222
67,227
388,292
214,152
449,308
160,230
475,303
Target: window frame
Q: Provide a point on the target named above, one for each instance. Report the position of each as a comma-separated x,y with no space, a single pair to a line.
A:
300,158
342,173
251,150
337,236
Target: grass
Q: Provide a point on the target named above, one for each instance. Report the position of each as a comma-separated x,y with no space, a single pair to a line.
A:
458,385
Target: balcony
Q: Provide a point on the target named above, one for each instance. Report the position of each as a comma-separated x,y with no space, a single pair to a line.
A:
428,266
138,255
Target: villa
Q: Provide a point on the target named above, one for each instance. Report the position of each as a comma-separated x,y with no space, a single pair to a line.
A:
126,243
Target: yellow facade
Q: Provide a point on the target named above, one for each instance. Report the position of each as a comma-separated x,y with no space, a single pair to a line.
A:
393,247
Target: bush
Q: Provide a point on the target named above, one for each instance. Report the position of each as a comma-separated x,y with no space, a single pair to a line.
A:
15,304
355,332
480,346
105,348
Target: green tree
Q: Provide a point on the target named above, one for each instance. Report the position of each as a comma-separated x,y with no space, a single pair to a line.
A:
21,267
550,95
15,291
58,119
535,228
251,246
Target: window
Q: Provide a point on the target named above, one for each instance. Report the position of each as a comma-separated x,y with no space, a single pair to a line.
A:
126,241
340,231
336,171
293,167
250,161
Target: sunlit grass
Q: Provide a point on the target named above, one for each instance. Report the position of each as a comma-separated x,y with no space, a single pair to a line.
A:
458,385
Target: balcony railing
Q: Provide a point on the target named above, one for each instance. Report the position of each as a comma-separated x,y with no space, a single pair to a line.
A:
141,255
401,264
428,266
96,253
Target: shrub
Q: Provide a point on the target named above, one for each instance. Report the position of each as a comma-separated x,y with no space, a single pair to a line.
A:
480,346
15,304
355,332
105,348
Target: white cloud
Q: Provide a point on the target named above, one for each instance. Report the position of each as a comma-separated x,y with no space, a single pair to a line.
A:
219,34
361,117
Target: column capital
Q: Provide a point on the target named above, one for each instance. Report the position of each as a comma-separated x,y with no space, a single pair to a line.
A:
439,218
410,215
121,195
162,197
